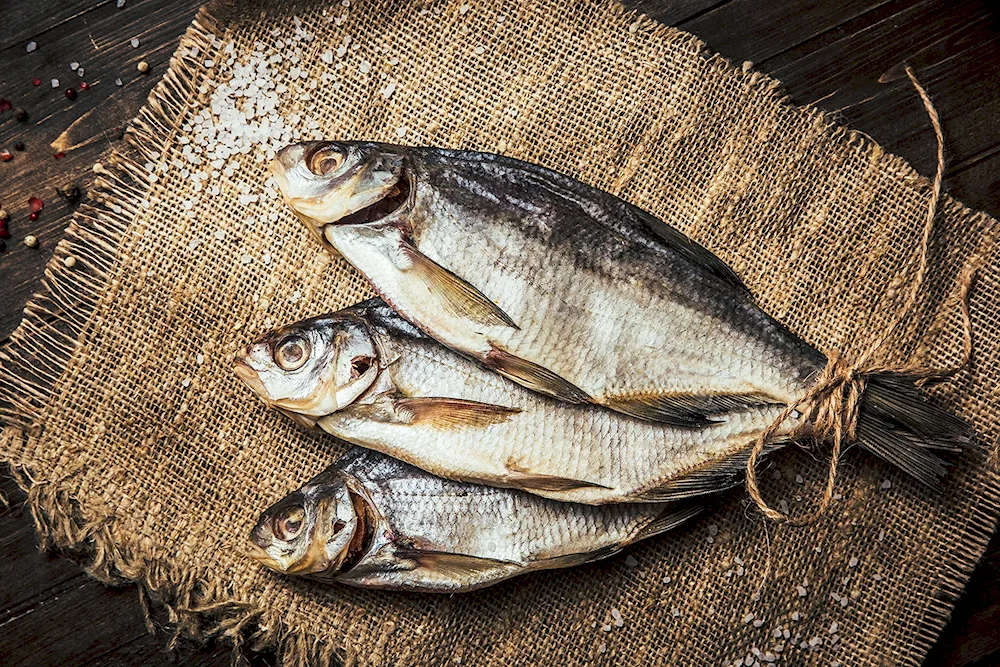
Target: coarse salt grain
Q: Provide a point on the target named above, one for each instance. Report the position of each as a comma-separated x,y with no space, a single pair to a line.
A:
748,618
617,616
388,90
31,46
795,615
833,628
631,562
134,42
220,234
801,590
185,383
853,562
245,258
55,83
74,66
602,647
887,484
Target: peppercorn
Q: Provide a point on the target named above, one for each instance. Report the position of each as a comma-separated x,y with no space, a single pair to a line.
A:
21,115
70,94
19,145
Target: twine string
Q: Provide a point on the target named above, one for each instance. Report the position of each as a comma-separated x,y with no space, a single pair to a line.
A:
829,410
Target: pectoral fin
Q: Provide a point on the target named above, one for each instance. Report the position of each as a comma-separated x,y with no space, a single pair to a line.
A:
459,297
447,413
453,565
523,478
535,377
692,410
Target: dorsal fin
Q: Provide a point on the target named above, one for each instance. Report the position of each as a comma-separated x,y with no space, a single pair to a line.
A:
692,410
687,248
711,477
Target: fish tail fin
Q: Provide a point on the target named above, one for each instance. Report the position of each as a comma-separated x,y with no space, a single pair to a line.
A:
900,425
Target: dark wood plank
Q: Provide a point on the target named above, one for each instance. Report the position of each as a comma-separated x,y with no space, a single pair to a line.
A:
99,39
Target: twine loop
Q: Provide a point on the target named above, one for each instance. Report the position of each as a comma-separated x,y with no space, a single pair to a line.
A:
829,410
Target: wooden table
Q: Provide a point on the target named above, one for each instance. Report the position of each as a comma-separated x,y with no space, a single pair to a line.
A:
827,52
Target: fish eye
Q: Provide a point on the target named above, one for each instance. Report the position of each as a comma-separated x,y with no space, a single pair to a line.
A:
325,161
360,366
287,525
291,352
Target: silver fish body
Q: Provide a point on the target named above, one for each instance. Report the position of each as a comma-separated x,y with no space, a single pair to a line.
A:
436,409
413,531
557,285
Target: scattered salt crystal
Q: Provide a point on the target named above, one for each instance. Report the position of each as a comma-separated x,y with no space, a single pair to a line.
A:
713,529
795,615
770,657
748,618
364,67
327,57
220,234
631,561
815,641
798,479
463,9
120,4
55,83
675,612
31,46
193,244
134,42
617,616
246,259
881,535
801,590
606,627
758,622
833,628
887,484
480,50
877,577
389,89
74,66
266,259
400,131
200,358
602,647
853,562
185,383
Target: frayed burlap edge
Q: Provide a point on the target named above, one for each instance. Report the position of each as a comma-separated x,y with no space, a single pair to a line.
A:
57,319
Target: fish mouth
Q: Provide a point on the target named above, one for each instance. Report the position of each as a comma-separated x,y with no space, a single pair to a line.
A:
250,377
394,200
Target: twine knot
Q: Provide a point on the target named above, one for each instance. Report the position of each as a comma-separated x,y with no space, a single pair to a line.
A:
829,410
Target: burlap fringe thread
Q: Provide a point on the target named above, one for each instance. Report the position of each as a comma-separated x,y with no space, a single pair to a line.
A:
57,318
829,410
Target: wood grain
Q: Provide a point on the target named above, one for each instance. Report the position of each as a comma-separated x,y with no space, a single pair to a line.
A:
828,52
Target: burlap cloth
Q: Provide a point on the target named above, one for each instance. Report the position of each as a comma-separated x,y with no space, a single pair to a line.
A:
142,449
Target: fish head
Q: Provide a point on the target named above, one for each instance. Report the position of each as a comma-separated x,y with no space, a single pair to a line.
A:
343,183
313,367
312,531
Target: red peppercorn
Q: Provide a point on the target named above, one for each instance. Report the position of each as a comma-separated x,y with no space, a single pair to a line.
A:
36,204
70,94
36,82
60,155
5,105
5,155
84,85
4,234
3,246
32,216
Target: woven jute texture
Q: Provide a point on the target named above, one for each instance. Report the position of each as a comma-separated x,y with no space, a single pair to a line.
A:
142,450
